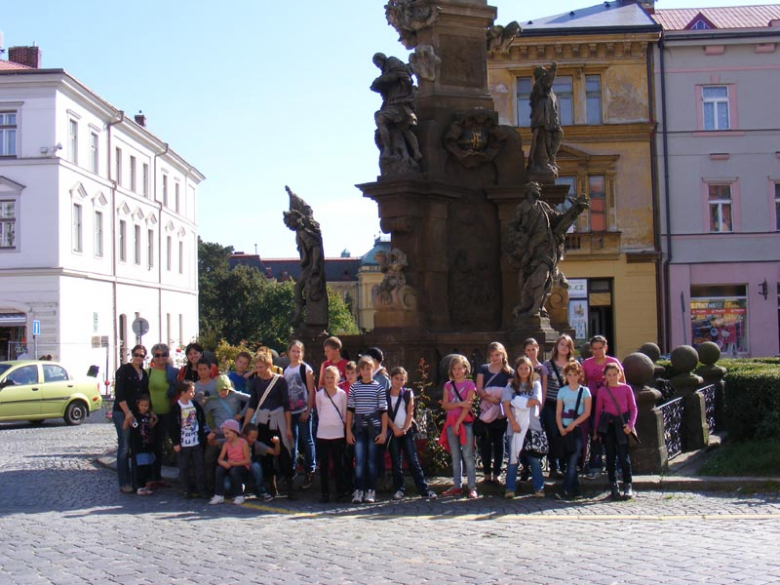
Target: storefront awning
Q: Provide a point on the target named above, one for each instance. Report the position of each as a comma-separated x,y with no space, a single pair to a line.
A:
12,319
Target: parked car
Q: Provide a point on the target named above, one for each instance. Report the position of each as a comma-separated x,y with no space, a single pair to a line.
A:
37,390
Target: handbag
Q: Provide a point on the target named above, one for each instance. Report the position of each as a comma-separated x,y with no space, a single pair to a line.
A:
536,444
633,437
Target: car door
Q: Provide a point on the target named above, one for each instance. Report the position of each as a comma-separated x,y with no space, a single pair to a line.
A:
55,390
20,395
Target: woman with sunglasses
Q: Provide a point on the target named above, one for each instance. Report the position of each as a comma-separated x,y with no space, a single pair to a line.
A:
162,385
131,381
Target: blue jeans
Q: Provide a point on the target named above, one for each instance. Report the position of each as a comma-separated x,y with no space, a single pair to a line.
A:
536,474
256,473
571,482
122,449
303,440
405,445
236,476
467,453
365,456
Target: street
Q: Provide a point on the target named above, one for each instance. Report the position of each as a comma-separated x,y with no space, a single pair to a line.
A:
63,520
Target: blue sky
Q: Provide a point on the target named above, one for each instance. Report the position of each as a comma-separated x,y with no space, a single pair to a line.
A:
256,94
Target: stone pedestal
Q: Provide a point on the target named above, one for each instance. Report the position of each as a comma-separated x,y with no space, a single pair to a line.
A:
685,384
651,456
709,354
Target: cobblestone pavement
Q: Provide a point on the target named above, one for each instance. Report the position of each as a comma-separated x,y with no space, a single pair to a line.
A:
63,520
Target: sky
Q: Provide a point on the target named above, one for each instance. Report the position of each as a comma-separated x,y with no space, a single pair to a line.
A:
255,94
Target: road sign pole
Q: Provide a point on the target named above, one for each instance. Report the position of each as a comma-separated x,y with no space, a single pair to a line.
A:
35,345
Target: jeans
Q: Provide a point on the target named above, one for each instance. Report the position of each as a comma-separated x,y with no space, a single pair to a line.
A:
238,476
122,449
467,453
210,457
553,434
191,459
405,445
491,447
536,474
365,456
571,482
303,440
331,452
615,448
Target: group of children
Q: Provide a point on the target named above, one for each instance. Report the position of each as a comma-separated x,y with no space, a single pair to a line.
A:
240,432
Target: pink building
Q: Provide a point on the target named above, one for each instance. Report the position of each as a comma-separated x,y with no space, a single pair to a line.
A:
717,79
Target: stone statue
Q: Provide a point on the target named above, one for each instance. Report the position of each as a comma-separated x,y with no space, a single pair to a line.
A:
500,38
310,290
409,16
547,133
535,246
395,120
393,292
425,62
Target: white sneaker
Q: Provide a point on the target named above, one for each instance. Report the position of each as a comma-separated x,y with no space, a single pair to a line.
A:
399,495
431,495
238,500
370,496
216,500
357,497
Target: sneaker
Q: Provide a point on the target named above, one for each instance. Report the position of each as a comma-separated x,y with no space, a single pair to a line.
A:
357,497
431,495
563,496
238,500
307,481
399,495
453,491
266,497
539,493
216,500
142,491
473,494
370,497
126,489
628,492
509,495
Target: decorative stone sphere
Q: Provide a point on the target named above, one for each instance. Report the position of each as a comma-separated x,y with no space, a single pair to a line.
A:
684,359
444,365
651,350
639,369
709,353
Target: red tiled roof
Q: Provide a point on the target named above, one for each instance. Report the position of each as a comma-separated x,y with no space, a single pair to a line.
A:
10,65
725,17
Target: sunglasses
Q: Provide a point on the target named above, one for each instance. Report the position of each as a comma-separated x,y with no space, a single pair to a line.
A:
159,355
139,355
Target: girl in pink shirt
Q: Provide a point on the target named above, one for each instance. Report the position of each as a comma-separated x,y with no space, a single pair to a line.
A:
458,431
234,461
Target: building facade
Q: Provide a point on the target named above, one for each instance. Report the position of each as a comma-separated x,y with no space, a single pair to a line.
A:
717,80
605,95
97,224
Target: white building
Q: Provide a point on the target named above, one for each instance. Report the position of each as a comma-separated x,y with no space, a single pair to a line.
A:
97,223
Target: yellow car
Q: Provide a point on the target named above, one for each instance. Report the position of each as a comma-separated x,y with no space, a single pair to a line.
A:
37,390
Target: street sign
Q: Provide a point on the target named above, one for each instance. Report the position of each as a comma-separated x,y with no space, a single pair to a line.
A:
36,327
140,326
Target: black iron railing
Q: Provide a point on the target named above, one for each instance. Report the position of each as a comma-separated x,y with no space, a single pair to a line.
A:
673,413
708,392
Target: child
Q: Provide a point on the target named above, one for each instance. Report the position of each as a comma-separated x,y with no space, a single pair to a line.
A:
142,444
616,414
521,404
367,411
257,451
351,376
572,412
492,378
458,432
242,372
205,385
350,371
188,435
300,387
332,349
233,462
400,417
331,402
562,355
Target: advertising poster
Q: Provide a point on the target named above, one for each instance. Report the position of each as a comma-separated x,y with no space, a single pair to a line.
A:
578,319
723,321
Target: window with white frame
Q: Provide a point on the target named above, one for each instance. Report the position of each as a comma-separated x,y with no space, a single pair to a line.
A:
77,228
168,252
94,152
145,180
99,233
562,86
137,244
719,201
176,189
181,257
133,169
73,141
8,133
122,240
165,190
150,248
715,107
118,162
7,224
593,98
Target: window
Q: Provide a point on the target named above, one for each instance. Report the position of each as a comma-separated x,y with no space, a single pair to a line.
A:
7,224
54,373
133,185
73,141
137,242
77,240
715,104
122,240
24,376
719,314
720,208
561,207
165,190
118,155
181,257
598,203
176,197
524,85
777,206
168,253
150,248
168,339
7,133
181,328
94,157
145,180
99,233
593,98
562,86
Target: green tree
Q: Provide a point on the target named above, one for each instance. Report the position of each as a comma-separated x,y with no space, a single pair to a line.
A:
340,318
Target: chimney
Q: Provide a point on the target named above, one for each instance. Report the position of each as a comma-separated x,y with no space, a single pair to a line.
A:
140,119
30,56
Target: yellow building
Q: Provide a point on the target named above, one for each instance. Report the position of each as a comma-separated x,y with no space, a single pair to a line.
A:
605,96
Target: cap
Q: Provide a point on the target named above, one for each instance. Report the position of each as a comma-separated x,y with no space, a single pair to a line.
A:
231,425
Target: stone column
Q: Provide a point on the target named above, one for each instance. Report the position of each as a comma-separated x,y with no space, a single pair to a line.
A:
709,354
650,457
685,384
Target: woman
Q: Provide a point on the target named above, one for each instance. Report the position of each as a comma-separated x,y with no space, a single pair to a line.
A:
562,355
194,351
162,385
131,382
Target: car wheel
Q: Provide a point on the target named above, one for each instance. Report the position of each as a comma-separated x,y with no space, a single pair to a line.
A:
75,413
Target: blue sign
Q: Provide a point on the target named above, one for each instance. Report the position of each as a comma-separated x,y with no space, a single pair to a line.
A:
36,327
